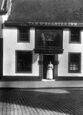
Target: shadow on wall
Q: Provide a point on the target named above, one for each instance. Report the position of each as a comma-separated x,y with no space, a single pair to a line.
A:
35,57
70,103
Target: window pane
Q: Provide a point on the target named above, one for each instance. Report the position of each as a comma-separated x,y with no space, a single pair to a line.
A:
75,35
74,62
70,68
24,61
77,68
74,68
23,34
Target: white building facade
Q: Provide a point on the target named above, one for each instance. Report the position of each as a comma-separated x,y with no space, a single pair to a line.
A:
26,56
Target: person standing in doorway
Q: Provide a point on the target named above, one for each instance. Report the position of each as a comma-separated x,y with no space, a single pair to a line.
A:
50,71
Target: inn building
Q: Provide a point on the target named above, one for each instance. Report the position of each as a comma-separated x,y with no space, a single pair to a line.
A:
35,32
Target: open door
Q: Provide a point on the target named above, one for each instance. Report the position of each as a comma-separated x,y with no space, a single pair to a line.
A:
46,60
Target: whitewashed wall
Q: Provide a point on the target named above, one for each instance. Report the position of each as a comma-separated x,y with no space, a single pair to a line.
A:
1,19
63,58
10,45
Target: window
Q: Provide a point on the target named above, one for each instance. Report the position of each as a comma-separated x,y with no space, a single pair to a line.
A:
75,35
23,34
74,62
23,62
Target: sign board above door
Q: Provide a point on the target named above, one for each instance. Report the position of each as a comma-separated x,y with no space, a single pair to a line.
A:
48,41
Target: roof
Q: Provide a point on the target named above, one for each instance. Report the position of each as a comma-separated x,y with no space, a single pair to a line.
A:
46,11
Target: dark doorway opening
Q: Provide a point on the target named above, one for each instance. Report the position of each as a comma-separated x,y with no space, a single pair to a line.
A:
46,60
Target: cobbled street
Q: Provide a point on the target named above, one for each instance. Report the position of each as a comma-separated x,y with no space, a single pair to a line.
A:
62,101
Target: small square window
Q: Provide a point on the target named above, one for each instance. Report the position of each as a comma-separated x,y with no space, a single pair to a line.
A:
75,35
23,34
23,62
74,62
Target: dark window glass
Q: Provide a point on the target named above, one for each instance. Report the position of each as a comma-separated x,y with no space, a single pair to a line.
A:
24,61
23,34
75,35
74,62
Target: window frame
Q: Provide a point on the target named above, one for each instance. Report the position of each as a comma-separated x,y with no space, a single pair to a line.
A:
79,66
79,36
17,61
19,34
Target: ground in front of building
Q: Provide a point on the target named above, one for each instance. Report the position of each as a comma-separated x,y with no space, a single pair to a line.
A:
62,101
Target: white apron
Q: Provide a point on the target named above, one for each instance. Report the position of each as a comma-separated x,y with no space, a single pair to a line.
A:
50,71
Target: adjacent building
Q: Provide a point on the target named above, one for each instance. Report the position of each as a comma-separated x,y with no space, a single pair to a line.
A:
35,32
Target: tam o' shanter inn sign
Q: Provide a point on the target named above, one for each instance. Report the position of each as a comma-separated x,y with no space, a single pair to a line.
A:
55,24
9,23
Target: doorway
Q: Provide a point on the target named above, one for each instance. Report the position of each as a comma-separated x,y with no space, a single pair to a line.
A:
46,60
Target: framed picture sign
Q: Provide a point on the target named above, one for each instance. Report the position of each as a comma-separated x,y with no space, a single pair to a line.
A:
48,40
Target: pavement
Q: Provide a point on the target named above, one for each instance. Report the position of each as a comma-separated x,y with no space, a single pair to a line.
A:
41,84
58,101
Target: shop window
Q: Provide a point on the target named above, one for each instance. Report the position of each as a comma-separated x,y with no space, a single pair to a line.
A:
23,34
74,62
75,35
23,62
